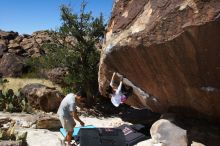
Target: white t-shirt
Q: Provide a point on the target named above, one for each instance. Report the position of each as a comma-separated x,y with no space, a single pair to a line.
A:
117,98
67,106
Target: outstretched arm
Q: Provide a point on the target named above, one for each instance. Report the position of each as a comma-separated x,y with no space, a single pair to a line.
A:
112,80
119,88
76,117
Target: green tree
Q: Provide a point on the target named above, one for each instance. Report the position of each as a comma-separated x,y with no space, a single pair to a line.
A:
82,56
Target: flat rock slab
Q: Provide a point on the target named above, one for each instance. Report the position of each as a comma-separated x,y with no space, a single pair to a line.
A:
43,137
10,143
33,120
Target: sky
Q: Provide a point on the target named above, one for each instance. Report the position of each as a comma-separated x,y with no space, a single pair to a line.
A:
27,16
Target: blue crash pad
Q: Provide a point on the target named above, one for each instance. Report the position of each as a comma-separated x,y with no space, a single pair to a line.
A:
76,130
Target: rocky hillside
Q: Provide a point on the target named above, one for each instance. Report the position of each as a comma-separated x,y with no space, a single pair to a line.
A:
168,51
14,48
23,45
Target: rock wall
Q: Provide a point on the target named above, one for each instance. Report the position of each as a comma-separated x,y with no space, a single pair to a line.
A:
23,45
14,48
168,49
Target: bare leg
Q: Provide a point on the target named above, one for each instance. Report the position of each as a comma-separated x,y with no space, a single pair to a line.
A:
68,137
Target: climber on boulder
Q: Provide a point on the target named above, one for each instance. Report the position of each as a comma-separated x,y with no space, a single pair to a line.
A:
118,94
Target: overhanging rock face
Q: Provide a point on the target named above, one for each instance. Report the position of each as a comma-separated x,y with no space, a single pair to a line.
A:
168,49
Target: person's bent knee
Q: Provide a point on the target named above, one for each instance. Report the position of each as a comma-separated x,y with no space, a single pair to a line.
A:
69,132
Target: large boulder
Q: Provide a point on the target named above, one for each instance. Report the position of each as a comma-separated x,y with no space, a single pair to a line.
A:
199,131
42,97
168,134
12,65
169,50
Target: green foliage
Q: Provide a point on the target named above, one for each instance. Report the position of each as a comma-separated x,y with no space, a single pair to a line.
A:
82,56
67,90
1,81
35,70
13,103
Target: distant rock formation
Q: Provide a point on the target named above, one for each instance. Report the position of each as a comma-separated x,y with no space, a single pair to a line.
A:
14,48
169,50
26,46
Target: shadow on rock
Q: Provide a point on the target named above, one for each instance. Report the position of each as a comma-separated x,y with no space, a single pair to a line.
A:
140,116
199,130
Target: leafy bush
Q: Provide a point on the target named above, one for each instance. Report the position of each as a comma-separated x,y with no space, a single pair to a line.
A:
82,56
13,103
1,81
35,68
